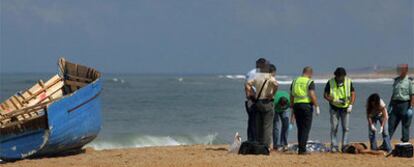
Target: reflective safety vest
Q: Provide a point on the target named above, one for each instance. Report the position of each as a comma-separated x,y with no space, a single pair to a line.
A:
341,94
300,90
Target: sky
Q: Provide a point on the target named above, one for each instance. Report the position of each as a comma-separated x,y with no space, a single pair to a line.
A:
205,36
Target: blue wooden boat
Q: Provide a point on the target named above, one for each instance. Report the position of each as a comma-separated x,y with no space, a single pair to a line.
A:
52,117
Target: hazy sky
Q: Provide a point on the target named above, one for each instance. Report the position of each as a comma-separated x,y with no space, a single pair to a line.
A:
205,36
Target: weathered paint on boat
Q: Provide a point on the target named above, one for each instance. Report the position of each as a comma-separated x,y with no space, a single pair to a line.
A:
73,121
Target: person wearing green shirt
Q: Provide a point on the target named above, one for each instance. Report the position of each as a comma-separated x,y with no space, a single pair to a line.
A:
281,103
402,103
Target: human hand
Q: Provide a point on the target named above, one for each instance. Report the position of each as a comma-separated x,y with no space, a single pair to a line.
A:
373,128
381,130
317,110
349,109
410,111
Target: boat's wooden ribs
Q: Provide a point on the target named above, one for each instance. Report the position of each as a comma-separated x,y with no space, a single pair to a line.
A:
29,104
24,108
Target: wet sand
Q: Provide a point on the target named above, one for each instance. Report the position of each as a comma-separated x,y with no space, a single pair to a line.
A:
206,156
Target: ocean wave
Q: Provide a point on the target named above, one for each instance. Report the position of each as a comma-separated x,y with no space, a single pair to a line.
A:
244,77
360,80
150,141
232,76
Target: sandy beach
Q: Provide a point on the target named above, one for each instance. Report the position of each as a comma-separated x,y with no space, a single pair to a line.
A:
206,156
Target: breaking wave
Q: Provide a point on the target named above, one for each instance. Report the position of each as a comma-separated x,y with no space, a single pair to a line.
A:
324,81
149,141
287,80
241,77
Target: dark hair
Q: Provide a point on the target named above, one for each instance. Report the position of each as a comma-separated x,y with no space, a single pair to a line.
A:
307,69
272,68
260,62
373,103
284,101
340,71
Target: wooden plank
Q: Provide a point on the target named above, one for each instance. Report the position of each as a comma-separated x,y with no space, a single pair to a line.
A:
9,106
82,71
72,69
26,94
47,96
24,110
73,77
19,98
14,102
75,83
57,94
52,80
43,89
16,99
26,116
20,117
34,90
33,114
6,121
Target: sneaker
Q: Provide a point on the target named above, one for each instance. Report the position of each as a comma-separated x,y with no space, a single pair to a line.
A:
285,148
382,147
334,149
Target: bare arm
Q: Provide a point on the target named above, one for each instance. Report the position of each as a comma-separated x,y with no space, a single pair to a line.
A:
248,88
292,118
327,97
384,116
369,121
412,101
313,97
353,97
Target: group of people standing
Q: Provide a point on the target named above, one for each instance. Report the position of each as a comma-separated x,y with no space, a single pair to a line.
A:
267,107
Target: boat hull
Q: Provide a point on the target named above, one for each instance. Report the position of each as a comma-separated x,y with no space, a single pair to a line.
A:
73,121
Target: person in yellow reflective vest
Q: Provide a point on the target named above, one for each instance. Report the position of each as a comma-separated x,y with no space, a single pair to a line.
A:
340,94
303,102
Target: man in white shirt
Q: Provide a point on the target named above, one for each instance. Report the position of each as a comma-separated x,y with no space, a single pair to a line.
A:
261,64
266,87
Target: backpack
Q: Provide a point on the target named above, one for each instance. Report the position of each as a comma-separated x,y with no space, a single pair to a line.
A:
403,150
254,148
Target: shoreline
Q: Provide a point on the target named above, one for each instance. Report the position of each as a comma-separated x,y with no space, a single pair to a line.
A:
206,156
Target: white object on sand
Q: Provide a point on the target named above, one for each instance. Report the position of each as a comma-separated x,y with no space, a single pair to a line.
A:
234,148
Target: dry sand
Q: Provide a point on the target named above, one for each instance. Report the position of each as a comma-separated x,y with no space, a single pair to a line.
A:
208,155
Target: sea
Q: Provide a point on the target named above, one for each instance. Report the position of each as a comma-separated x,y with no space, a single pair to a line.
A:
142,110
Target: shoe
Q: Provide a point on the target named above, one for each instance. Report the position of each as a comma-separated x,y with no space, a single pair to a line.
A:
285,148
334,149
303,153
382,147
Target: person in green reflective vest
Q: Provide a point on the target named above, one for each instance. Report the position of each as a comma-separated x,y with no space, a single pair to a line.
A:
340,94
304,102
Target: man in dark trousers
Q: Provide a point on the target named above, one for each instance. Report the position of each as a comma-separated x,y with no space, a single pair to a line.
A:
261,64
266,87
304,102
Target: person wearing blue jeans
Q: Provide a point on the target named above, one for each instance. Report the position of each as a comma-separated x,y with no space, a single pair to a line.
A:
281,119
402,103
336,116
340,93
377,112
